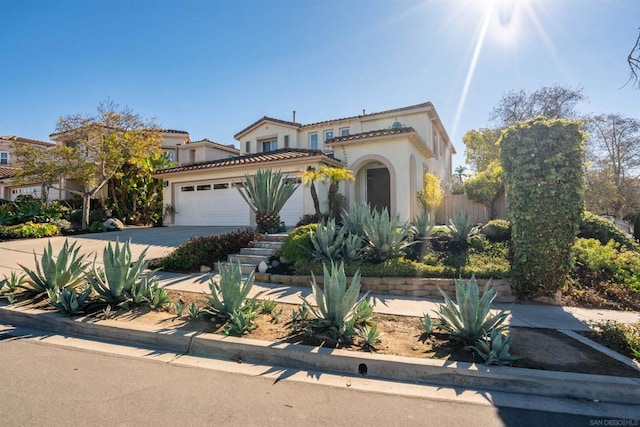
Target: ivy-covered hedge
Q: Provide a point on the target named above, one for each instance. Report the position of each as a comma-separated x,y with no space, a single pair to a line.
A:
595,227
207,250
542,162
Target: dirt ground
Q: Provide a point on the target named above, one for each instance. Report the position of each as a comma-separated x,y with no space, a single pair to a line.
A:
402,336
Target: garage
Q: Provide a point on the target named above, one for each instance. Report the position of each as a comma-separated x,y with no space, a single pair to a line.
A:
210,203
220,203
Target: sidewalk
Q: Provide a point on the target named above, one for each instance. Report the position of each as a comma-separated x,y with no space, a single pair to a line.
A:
527,315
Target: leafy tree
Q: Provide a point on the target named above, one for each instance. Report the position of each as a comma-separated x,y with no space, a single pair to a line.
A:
37,165
613,172
431,195
481,148
552,102
334,176
486,187
309,177
93,149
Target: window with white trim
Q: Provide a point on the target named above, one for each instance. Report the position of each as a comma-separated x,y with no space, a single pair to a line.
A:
247,147
170,155
286,141
4,158
269,145
344,132
313,141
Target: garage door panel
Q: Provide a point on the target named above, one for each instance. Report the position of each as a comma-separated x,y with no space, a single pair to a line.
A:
210,203
293,210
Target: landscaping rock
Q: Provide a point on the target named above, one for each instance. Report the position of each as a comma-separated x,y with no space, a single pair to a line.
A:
113,224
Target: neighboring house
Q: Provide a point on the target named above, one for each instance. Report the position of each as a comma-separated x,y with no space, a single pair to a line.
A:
388,152
9,189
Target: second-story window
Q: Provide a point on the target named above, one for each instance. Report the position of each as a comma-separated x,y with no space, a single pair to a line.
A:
247,147
169,155
286,141
344,132
4,158
270,145
313,141
328,134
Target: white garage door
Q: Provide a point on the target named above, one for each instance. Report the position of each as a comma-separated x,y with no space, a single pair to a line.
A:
294,208
210,203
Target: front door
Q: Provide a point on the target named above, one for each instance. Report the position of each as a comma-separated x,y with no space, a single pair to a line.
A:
379,189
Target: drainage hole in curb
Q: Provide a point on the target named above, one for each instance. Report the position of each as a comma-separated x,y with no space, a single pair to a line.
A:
362,369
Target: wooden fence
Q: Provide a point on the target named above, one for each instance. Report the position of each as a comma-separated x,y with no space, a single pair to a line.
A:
476,211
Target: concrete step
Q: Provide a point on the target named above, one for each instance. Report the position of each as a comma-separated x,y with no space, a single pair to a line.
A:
267,245
244,268
281,237
248,259
259,251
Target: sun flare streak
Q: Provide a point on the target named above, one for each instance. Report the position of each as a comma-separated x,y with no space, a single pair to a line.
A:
472,66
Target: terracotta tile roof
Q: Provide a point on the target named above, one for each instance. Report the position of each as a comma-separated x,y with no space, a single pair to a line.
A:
369,134
7,172
267,118
223,146
21,139
173,131
250,159
161,130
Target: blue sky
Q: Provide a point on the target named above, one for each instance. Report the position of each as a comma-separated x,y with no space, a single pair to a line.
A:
213,67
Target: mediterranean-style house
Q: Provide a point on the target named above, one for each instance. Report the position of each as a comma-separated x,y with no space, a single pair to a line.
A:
9,189
388,152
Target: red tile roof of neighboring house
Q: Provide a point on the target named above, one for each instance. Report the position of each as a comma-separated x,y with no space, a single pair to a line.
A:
270,119
7,172
250,159
159,130
370,134
21,139
224,146
173,131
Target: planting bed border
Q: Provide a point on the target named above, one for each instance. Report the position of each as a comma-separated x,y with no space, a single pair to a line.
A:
440,372
400,286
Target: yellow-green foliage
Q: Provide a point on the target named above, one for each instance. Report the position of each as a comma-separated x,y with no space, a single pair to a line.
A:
597,263
486,186
431,195
293,247
542,162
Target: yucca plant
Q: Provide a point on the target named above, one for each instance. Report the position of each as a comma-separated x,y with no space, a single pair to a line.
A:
385,240
495,349
64,271
121,280
459,228
69,301
355,219
470,318
427,324
240,323
370,337
337,304
230,292
266,195
157,297
327,241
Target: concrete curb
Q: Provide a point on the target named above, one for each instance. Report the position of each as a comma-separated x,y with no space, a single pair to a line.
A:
495,378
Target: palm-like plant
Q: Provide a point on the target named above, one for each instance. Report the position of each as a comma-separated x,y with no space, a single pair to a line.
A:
266,195
309,177
335,176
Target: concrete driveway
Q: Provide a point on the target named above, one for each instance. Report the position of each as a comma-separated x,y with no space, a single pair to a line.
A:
159,241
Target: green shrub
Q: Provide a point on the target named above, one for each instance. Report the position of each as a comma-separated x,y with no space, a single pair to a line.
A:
497,230
97,227
208,250
28,230
595,227
596,263
292,248
623,338
543,165
94,216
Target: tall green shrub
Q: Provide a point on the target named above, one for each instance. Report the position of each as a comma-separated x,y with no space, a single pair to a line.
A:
542,162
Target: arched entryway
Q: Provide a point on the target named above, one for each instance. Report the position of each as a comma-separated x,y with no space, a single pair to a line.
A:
375,182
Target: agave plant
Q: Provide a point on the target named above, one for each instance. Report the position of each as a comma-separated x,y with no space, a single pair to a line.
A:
121,280
266,195
229,293
10,284
495,350
385,240
356,218
240,323
470,318
327,241
427,324
459,228
157,297
370,337
64,271
352,247
69,301
337,304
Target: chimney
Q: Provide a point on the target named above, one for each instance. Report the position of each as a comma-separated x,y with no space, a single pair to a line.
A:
363,112
294,116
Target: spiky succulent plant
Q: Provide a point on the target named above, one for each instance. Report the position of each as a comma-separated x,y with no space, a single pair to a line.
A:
495,349
64,271
70,301
230,292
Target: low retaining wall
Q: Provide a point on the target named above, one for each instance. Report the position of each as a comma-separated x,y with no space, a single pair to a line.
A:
401,286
